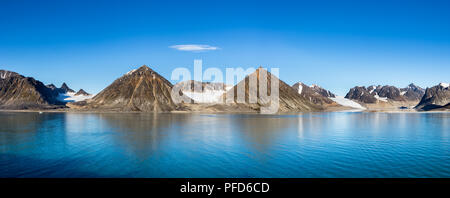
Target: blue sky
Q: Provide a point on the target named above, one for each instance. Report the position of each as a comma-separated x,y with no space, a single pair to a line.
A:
335,44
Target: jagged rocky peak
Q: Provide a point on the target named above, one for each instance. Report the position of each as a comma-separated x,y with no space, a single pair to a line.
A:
19,92
138,90
373,93
362,94
322,91
81,92
388,92
412,92
314,93
444,85
64,88
52,86
437,97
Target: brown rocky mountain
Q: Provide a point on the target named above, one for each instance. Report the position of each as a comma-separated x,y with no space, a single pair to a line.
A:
361,94
81,92
289,98
19,92
323,91
314,93
389,92
139,90
374,94
412,92
435,97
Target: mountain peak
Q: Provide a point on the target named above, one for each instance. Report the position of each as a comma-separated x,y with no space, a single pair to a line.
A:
141,89
412,85
82,92
144,68
445,85
435,97
51,86
66,88
288,98
260,68
140,70
314,93
64,85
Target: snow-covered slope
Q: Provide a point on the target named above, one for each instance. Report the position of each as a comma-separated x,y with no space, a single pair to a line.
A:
384,99
71,97
347,102
208,96
211,92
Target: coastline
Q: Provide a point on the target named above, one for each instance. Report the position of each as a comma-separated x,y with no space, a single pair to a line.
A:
221,112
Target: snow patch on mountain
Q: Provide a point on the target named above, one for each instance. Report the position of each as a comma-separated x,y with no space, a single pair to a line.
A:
71,97
372,88
208,96
384,99
445,85
347,102
300,88
130,72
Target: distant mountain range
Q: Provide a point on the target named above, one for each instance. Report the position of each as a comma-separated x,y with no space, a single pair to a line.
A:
145,90
314,93
375,94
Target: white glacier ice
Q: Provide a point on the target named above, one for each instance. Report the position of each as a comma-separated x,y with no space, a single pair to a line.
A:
384,99
71,97
208,96
300,87
445,85
347,102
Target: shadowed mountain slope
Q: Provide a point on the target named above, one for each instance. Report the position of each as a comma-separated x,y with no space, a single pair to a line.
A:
435,97
19,92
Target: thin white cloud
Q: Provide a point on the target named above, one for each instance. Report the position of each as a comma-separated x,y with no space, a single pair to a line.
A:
194,48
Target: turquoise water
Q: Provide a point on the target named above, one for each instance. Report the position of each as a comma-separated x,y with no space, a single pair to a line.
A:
339,144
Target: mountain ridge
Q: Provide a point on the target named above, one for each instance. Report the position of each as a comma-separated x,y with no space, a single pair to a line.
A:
20,92
435,97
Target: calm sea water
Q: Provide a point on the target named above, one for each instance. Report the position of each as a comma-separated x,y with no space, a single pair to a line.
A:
340,144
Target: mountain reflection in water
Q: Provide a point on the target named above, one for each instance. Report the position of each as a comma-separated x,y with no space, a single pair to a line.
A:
339,144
